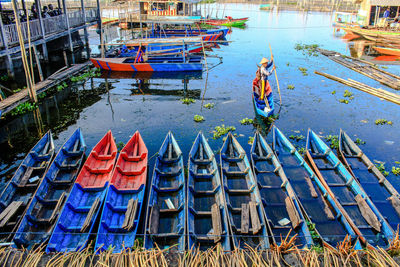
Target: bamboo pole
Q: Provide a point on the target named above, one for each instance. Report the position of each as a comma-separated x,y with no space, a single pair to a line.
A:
276,77
394,98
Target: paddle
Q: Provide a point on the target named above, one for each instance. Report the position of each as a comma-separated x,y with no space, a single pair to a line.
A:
276,77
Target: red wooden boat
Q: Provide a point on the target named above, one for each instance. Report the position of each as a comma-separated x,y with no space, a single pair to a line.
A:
124,200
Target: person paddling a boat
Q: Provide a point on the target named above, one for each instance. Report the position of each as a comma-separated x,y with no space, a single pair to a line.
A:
265,65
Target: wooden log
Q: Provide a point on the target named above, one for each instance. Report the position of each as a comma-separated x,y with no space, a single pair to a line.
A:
244,229
367,213
255,220
90,215
130,214
292,211
9,212
27,175
216,222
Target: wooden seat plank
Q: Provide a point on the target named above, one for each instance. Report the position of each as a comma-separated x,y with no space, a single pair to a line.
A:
216,222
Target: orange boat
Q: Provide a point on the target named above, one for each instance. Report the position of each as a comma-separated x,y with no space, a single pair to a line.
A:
388,51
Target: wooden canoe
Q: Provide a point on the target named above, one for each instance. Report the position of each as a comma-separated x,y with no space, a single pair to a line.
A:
248,226
124,201
378,188
42,213
260,107
321,207
78,217
207,219
154,64
280,203
387,50
354,203
165,224
227,22
16,196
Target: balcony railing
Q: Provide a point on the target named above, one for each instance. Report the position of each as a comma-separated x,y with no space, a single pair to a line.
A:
51,25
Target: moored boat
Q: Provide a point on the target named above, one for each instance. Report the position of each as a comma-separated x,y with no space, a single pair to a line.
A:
48,201
355,204
124,201
207,218
77,219
280,203
387,50
230,22
260,105
247,220
382,193
158,63
320,207
165,224
17,194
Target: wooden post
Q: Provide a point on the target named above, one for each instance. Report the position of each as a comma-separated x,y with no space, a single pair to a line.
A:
71,47
44,46
85,31
140,19
101,27
39,67
9,62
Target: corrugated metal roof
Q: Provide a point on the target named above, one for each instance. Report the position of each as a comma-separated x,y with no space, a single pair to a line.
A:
385,2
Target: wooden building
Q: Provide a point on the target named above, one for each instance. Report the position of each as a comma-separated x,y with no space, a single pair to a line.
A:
43,28
371,11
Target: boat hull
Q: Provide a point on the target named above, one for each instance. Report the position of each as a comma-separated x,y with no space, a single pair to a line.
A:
388,51
262,112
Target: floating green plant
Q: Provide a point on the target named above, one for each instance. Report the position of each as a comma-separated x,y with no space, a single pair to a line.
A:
381,168
396,170
303,70
198,118
42,95
251,140
310,50
344,101
333,140
359,141
89,74
301,150
383,121
209,105
290,87
297,137
187,101
312,229
333,92
222,130
246,121
120,146
23,108
347,93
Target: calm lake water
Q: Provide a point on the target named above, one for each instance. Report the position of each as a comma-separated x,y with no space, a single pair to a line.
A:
153,106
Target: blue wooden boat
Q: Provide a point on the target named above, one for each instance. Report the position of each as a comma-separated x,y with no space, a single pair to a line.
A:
166,219
280,203
80,212
260,106
17,194
320,207
243,200
207,218
123,205
42,213
356,205
382,193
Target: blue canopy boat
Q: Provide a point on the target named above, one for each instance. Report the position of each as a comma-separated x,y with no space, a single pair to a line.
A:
382,193
123,205
42,213
320,207
243,200
166,219
207,219
17,194
281,205
80,212
356,205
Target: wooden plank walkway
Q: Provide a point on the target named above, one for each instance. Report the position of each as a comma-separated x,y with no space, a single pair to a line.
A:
22,96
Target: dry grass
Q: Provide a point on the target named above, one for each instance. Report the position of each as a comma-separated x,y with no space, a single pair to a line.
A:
287,254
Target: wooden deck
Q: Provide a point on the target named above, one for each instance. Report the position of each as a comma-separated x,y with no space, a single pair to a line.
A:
22,96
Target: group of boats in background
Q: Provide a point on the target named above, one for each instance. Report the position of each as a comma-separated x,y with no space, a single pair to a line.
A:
180,47
67,201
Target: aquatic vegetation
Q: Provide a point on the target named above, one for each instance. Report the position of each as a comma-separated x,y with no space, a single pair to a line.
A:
120,145
381,168
222,130
347,93
60,87
313,231
333,92
383,121
246,121
301,150
23,108
384,67
209,105
310,50
89,74
288,64
187,101
198,118
359,141
290,87
4,78
272,118
251,140
396,170
206,26
333,140
344,101
297,137
303,70
42,95
18,89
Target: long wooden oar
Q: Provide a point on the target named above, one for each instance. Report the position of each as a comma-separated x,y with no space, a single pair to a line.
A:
276,77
